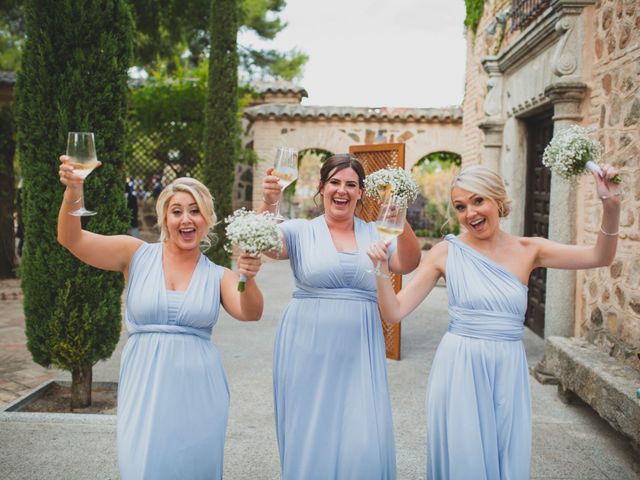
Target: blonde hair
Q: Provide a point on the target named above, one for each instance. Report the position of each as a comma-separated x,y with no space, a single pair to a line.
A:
200,194
482,181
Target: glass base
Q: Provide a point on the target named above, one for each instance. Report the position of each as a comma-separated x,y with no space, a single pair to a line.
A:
82,212
279,218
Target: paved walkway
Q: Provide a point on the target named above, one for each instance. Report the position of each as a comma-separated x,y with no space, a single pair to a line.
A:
569,442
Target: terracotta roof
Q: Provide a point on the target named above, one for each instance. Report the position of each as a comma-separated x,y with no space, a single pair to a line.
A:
451,114
7,77
279,86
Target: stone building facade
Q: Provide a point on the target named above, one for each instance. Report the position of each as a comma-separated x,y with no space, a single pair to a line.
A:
571,61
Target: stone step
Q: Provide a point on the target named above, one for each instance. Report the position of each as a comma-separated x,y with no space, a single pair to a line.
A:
599,380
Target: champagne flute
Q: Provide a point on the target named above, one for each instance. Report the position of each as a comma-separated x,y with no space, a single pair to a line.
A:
82,150
390,224
285,167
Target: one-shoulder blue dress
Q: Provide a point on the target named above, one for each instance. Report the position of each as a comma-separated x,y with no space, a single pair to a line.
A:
333,413
478,397
173,397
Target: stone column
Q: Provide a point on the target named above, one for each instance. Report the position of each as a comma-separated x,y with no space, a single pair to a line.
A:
566,97
493,125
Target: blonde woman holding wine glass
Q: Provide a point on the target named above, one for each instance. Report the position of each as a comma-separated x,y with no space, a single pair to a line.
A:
478,398
173,398
333,414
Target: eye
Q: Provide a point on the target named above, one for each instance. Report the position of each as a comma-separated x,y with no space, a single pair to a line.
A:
176,212
478,201
352,184
334,181
194,211
459,208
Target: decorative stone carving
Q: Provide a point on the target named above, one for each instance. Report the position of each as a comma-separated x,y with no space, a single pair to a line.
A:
565,60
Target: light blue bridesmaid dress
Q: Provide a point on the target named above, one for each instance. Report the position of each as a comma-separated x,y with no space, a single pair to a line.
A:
173,397
333,414
478,398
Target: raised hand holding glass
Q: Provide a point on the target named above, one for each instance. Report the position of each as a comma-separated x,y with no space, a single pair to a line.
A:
285,167
390,224
82,151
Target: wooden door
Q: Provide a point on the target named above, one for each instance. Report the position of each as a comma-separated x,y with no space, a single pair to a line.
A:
375,157
539,134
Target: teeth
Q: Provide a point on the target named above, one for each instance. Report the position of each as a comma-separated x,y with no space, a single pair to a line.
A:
476,222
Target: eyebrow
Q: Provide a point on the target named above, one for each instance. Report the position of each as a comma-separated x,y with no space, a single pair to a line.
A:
180,205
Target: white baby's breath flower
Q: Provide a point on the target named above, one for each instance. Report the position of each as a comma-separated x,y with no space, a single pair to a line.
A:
253,233
393,181
569,151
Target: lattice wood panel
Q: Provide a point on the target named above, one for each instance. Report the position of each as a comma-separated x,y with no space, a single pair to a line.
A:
375,157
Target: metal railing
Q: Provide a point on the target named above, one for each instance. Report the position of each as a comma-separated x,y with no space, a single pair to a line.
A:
523,12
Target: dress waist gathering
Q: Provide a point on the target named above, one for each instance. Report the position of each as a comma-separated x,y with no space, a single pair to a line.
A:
486,325
347,294
135,329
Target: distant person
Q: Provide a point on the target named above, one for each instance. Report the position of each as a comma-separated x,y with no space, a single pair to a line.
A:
132,205
156,187
478,397
173,396
19,223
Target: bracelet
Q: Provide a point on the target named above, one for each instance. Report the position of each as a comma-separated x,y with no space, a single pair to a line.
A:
264,200
604,197
609,234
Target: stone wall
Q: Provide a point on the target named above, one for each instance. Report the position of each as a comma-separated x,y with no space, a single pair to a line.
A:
611,314
479,45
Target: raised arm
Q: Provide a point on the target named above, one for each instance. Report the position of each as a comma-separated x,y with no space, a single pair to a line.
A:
394,307
407,256
271,195
107,252
555,255
246,305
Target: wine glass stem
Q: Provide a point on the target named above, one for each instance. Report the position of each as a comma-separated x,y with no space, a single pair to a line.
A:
278,203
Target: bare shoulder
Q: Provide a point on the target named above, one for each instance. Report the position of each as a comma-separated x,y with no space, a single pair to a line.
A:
436,257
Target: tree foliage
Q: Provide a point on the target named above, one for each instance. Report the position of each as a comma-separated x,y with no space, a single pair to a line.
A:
475,8
73,78
221,138
168,28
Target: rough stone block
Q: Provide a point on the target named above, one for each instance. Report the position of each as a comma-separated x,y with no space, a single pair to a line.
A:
605,384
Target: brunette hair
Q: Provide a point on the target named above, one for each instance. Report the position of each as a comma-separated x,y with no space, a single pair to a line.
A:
338,162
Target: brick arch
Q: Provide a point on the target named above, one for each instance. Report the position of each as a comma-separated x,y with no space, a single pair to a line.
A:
430,142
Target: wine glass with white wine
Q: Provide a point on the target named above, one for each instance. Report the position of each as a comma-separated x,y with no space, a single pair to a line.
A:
390,224
285,167
81,149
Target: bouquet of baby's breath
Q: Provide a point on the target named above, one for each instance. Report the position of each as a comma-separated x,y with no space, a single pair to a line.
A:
393,184
253,233
572,152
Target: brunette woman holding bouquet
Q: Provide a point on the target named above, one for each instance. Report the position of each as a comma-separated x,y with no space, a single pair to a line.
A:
333,414
478,399
173,398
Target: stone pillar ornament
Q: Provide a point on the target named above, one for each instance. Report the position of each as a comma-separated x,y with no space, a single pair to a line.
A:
566,97
493,125
566,60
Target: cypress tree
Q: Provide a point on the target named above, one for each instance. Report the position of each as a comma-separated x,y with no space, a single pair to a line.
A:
221,137
73,78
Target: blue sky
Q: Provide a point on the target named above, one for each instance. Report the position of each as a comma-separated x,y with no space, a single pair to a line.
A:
377,53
